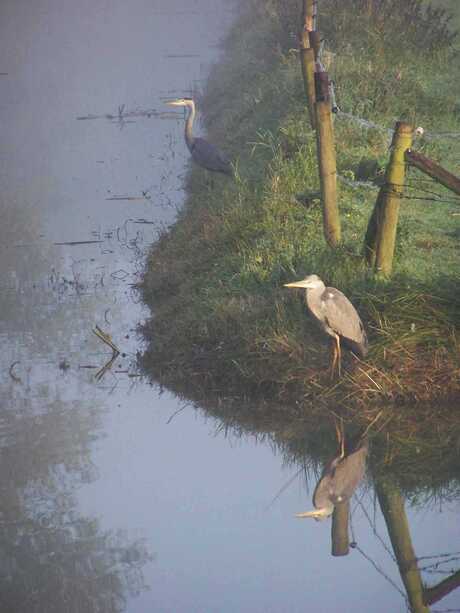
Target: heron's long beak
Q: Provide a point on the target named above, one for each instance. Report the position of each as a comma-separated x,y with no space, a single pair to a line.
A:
301,283
317,514
314,514
174,103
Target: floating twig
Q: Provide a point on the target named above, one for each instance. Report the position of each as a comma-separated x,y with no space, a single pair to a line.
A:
73,243
143,197
105,338
107,366
11,373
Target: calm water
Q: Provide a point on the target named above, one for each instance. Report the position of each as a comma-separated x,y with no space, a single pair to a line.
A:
110,500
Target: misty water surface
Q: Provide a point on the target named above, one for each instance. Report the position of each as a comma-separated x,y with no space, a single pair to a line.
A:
116,496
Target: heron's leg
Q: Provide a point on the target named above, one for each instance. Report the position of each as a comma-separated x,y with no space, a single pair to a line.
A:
339,353
340,437
334,357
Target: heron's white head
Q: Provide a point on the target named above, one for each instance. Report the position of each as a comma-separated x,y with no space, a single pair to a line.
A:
318,514
188,102
310,282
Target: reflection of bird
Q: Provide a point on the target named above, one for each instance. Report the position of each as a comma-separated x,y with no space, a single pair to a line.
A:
203,153
336,315
340,478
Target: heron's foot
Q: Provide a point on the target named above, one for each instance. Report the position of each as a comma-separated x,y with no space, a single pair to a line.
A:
338,422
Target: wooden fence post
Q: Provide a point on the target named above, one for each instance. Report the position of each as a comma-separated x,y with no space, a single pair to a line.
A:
433,170
326,159
307,57
339,529
381,231
392,505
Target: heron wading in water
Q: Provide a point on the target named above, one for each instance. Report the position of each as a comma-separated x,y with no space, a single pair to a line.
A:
336,316
203,153
339,479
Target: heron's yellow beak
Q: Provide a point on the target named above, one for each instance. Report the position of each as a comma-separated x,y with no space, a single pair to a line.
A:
303,284
175,103
314,514
317,514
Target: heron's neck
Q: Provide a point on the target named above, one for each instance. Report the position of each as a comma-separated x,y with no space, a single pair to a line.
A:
312,297
325,512
189,125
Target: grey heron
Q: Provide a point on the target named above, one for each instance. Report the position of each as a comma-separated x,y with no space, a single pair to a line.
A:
203,153
336,316
339,479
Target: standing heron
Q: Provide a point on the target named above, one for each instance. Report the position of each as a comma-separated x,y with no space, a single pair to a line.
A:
339,479
336,316
203,153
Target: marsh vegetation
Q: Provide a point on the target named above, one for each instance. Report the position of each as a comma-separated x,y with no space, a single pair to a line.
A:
225,328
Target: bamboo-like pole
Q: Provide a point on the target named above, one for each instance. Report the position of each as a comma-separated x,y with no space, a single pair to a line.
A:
443,588
326,160
392,505
433,170
381,231
307,59
315,42
308,15
370,240
339,529
307,56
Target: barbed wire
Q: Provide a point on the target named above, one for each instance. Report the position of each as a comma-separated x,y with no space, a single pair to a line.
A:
374,530
376,566
368,124
355,545
357,184
414,184
439,555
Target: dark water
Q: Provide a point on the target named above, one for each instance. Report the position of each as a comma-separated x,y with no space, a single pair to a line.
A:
108,501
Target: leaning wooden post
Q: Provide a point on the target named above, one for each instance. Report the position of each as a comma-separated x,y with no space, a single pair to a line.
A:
339,529
433,170
393,191
307,57
326,159
380,237
392,505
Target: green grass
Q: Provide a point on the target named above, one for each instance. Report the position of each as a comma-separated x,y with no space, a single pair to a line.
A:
225,326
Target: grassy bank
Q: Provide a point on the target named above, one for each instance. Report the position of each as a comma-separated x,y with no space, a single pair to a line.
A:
223,322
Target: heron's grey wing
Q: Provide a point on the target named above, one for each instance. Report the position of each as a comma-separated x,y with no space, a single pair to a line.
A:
208,155
343,318
347,475
324,488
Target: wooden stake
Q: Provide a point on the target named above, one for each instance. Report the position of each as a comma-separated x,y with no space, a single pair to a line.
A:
433,170
307,57
326,160
315,42
307,60
381,231
392,504
339,529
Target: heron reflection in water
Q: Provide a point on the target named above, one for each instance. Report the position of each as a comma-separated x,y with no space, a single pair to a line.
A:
339,479
337,317
203,153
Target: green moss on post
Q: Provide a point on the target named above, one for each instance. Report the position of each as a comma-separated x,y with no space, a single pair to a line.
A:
390,197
